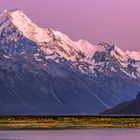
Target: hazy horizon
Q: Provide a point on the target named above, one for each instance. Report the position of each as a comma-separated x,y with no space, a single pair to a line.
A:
114,22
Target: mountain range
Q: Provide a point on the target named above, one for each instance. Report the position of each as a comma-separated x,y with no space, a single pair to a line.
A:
44,72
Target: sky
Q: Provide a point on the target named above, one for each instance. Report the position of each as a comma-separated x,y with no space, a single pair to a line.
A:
112,21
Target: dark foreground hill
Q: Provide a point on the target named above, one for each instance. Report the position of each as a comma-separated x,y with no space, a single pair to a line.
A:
127,108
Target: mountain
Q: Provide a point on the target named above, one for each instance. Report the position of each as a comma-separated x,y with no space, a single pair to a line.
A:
126,108
42,71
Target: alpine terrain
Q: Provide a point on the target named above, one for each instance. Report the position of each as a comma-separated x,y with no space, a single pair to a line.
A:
44,72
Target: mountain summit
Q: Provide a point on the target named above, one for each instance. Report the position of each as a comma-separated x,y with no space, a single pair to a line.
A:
26,27
42,71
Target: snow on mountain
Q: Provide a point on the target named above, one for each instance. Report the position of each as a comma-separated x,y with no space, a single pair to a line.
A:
66,39
86,47
133,55
81,53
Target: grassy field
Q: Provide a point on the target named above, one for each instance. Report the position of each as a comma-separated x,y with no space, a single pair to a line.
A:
62,122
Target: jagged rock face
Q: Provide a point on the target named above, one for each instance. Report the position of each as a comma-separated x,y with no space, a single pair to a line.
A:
12,42
111,60
43,71
109,63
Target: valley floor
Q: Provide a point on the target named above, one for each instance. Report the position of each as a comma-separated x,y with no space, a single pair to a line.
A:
68,122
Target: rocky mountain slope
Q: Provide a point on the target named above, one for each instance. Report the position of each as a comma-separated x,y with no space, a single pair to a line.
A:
43,71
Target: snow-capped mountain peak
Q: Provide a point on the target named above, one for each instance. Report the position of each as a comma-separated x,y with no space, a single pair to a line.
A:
26,26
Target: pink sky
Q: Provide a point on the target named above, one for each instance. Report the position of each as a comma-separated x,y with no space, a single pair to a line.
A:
113,21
